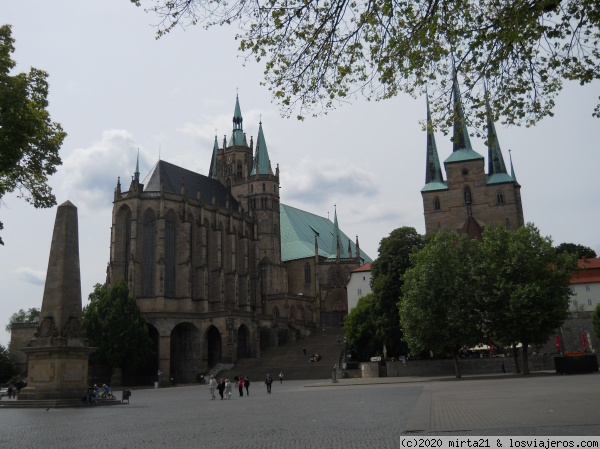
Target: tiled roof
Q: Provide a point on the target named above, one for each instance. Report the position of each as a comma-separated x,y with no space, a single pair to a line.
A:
365,267
588,271
298,230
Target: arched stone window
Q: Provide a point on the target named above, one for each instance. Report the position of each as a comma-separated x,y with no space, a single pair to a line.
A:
123,240
275,312
436,204
148,252
468,198
170,253
500,197
307,276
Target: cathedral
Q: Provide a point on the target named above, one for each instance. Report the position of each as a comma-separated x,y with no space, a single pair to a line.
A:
220,268
469,199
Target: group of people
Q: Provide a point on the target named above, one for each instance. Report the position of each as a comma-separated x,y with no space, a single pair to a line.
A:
224,386
12,392
95,392
314,357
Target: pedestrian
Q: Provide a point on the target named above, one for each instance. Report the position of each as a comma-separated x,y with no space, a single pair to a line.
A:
268,382
212,385
227,389
304,350
503,368
241,386
281,377
247,385
221,387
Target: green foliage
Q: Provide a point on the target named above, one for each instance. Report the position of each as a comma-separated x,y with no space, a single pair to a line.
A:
8,369
31,315
321,54
525,286
29,139
360,327
439,308
578,250
114,324
596,321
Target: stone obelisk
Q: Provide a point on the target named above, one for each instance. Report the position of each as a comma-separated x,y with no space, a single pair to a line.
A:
57,356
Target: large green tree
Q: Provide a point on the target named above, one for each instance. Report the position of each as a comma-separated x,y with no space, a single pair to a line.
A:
8,369
440,308
29,140
322,53
574,248
525,286
31,315
115,326
360,327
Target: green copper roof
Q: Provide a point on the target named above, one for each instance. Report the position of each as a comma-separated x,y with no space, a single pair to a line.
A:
499,178
495,160
237,135
463,155
298,231
461,140
433,170
434,185
261,164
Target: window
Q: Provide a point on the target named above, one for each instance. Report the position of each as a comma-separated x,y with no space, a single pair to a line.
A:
574,303
359,292
275,312
587,288
436,204
264,188
465,172
589,301
307,276
500,197
468,199
364,278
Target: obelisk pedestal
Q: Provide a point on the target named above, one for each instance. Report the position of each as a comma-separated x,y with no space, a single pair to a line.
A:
57,357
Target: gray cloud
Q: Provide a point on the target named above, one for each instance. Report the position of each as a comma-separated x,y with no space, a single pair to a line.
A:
31,276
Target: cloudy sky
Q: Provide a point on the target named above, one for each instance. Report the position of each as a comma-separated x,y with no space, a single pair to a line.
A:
116,89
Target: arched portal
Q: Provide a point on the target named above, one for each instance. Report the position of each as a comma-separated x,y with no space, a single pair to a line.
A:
243,342
213,346
185,353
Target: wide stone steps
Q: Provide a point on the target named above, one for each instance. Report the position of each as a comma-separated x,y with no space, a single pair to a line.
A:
290,359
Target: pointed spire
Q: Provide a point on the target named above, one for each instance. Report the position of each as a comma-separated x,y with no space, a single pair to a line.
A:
495,159
212,172
335,244
261,164
433,168
237,135
137,167
460,139
512,170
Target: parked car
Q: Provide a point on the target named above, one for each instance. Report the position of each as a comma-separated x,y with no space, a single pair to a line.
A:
3,391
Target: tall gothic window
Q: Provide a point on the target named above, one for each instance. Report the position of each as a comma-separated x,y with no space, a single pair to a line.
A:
170,253
123,240
500,197
307,276
148,252
436,204
468,198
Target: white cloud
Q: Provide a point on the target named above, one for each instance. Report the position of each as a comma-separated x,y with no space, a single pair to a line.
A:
31,276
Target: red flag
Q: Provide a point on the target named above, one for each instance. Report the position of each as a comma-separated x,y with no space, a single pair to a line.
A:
583,341
557,343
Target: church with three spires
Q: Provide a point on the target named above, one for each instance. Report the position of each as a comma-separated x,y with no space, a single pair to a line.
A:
220,268
469,199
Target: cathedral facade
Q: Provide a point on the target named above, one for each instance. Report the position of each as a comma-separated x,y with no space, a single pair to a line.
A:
220,268
469,199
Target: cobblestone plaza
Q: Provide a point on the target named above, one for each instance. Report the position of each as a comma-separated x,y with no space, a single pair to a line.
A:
354,413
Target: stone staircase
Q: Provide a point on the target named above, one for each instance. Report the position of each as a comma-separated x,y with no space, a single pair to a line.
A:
290,359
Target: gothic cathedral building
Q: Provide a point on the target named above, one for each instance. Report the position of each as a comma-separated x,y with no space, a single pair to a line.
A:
219,267
469,199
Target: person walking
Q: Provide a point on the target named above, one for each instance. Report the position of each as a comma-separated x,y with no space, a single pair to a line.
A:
227,389
268,382
247,385
281,377
212,385
221,387
241,386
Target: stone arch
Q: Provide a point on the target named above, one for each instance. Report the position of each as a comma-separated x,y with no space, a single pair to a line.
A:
185,353
213,346
335,308
243,342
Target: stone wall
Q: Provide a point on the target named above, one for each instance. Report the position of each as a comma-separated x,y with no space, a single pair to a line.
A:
20,335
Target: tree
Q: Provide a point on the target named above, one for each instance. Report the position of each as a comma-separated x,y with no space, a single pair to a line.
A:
596,321
114,324
440,308
321,54
387,279
31,315
8,369
574,248
29,140
525,286
360,327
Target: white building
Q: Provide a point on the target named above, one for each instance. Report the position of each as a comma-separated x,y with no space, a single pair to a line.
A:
359,284
585,286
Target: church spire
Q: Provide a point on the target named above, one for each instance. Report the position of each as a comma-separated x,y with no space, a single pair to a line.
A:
137,167
336,244
433,168
512,170
495,159
212,172
237,135
261,164
460,139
